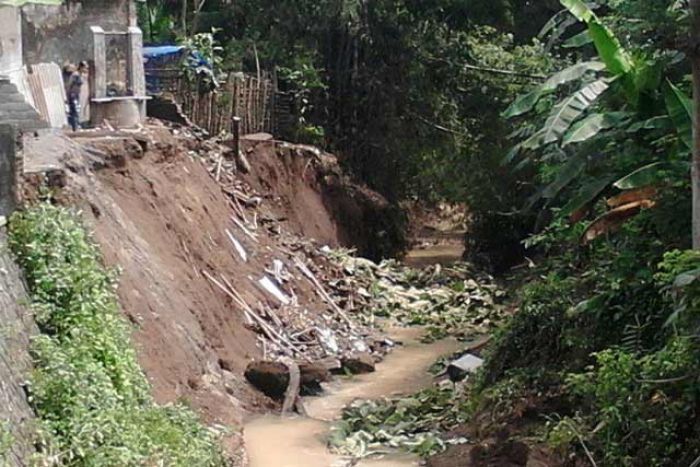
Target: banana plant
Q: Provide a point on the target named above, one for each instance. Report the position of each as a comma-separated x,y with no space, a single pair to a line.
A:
634,84
616,65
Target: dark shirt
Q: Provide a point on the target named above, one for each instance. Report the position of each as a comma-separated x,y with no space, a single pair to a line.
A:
74,85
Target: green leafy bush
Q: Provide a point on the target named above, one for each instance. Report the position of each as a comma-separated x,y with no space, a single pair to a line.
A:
643,409
87,388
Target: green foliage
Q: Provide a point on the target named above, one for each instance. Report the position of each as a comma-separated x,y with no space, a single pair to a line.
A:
157,23
643,407
87,388
618,317
580,135
679,276
208,48
6,440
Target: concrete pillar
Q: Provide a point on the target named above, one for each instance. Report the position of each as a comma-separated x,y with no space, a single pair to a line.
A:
10,40
8,174
99,64
137,75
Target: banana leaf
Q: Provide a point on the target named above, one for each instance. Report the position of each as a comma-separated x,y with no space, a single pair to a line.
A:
566,112
586,195
644,176
680,110
579,40
566,175
593,124
611,52
579,9
662,122
527,102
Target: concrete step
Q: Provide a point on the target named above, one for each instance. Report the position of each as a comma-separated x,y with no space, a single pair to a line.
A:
13,98
8,88
14,106
24,124
27,110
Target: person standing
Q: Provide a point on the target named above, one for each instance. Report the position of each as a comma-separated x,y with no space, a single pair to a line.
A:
75,85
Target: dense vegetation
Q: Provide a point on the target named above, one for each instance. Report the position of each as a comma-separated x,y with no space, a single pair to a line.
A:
89,393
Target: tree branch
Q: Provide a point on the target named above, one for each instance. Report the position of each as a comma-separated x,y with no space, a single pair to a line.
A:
504,72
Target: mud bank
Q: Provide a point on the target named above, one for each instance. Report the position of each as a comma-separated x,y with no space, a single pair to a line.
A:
315,199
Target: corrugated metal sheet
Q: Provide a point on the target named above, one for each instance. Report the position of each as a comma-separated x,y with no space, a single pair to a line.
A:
46,82
38,95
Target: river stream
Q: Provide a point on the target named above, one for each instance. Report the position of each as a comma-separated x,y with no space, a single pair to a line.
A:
272,441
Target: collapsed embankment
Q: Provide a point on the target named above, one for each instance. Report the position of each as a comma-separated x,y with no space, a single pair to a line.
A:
193,255
319,201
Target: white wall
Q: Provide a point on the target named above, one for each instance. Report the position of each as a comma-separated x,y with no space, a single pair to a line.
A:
10,40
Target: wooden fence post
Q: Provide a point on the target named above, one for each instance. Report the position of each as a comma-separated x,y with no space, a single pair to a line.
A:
236,137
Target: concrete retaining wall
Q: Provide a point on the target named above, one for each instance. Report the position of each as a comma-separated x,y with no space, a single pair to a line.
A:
16,327
8,170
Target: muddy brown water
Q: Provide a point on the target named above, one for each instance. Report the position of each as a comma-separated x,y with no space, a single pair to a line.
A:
272,441
443,248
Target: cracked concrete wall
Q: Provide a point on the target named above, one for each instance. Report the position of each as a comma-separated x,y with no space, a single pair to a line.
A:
62,33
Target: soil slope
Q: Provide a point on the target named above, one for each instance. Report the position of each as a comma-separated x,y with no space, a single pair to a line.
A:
165,223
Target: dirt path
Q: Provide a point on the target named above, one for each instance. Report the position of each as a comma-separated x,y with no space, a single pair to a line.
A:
299,442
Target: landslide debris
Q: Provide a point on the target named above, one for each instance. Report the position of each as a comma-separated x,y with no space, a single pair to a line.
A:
455,300
212,275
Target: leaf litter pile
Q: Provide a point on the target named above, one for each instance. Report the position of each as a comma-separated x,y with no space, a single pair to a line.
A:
410,424
454,301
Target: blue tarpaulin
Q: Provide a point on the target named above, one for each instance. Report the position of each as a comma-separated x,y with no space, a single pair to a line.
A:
161,61
162,51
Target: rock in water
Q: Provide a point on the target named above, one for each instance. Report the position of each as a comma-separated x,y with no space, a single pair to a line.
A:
272,378
463,367
359,363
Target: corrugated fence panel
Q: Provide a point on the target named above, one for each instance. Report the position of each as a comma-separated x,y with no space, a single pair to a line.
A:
38,95
50,80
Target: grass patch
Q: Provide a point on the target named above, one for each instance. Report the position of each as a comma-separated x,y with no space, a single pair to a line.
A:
87,389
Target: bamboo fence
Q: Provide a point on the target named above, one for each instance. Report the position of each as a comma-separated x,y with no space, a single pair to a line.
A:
244,96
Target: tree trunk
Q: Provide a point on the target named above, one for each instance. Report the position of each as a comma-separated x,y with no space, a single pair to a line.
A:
695,170
184,18
197,9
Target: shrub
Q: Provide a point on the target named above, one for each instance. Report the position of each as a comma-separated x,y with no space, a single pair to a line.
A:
643,408
87,388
